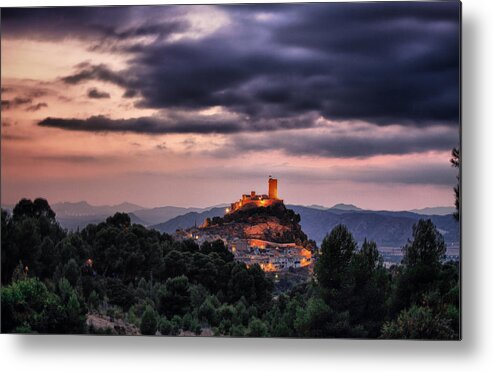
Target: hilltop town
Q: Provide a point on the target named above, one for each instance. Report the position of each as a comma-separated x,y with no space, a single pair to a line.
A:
259,229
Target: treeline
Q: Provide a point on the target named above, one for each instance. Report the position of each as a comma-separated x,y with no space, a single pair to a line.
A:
356,296
51,280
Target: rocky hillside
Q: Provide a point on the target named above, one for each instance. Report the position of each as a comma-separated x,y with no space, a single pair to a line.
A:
275,223
104,324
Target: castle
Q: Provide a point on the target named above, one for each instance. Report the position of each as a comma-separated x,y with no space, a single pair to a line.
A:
253,200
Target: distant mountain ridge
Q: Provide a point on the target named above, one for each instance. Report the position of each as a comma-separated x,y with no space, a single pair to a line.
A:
346,207
153,216
83,208
387,228
73,215
339,206
439,211
188,220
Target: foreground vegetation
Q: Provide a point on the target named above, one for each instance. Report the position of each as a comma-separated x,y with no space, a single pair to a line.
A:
51,280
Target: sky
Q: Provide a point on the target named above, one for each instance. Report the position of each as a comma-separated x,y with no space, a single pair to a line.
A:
195,105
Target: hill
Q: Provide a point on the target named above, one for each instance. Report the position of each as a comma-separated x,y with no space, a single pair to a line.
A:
80,209
346,207
73,216
78,215
188,220
157,215
386,228
440,211
274,223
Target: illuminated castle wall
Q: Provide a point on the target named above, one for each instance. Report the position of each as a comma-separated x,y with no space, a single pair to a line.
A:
272,188
254,200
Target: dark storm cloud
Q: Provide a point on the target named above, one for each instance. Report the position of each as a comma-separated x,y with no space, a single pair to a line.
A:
272,65
97,94
99,24
101,72
228,72
17,101
162,30
382,63
37,107
173,124
145,125
87,72
392,62
343,145
37,92
130,93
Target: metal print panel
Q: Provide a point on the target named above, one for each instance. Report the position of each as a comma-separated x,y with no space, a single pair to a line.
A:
282,170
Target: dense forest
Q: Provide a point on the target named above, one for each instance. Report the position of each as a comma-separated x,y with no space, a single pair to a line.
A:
52,280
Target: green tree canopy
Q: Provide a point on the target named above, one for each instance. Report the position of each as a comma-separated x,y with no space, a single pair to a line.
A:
148,324
418,323
36,209
332,270
427,246
455,161
175,298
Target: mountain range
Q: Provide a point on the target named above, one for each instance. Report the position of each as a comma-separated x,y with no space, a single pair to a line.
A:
78,215
386,228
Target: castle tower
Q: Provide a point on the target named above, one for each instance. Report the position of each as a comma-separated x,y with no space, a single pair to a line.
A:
272,188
